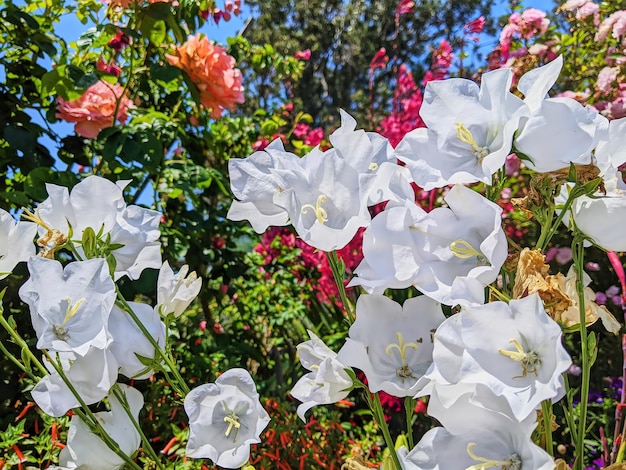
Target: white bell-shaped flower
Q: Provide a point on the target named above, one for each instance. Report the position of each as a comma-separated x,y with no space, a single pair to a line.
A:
129,341
254,185
225,417
478,433
513,349
557,131
176,291
85,449
470,131
91,375
99,204
16,242
327,382
450,254
69,307
392,343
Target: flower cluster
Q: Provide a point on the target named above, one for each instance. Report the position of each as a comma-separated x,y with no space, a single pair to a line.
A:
212,71
491,365
98,108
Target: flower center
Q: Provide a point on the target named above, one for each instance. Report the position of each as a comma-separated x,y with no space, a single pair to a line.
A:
464,250
70,310
466,137
318,210
404,371
51,240
233,423
530,360
512,462
373,166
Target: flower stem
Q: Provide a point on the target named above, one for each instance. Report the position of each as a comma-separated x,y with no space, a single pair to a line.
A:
546,408
17,339
373,399
409,408
578,252
338,268
181,386
89,418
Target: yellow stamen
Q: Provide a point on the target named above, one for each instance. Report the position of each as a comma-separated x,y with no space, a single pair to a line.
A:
530,361
373,166
71,310
466,137
320,212
233,422
51,240
513,462
464,250
28,215
404,371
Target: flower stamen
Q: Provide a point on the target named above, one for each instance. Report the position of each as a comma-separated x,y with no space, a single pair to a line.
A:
320,212
513,462
233,423
466,137
530,361
404,371
51,240
464,250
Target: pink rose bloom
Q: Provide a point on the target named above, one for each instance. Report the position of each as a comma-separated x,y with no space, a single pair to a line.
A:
260,144
587,10
303,55
405,7
534,23
95,109
615,22
212,70
109,68
606,78
580,96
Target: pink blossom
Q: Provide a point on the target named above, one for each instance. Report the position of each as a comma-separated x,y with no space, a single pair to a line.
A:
560,255
404,7
379,61
314,137
512,165
588,9
202,325
580,96
303,55
260,144
475,26
213,72
301,130
95,109
615,22
606,79
109,68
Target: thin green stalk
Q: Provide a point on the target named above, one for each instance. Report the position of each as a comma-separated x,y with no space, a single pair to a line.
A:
409,408
184,389
147,447
338,269
17,362
379,415
546,408
578,252
89,417
22,344
546,236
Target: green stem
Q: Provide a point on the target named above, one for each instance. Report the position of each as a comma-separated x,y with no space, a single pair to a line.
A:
546,236
546,408
17,362
182,387
89,418
578,252
147,447
409,408
21,344
379,415
338,268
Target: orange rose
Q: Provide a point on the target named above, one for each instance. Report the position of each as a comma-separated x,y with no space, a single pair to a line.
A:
212,70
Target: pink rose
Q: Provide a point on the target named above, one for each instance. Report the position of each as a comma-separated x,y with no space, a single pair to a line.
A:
303,55
95,109
606,78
